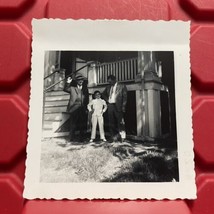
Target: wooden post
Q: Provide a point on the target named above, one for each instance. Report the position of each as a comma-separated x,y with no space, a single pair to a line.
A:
136,66
122,71
117,70
103,73
144,57
98,74
139,113
141,97
92,75
154,113
131,69
125,70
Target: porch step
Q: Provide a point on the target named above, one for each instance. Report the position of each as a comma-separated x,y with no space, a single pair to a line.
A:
50,124
57,98
56,103
57,109
48,134
52,121
52,116
47,126
56,93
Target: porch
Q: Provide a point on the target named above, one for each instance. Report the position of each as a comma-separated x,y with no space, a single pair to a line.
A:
148,113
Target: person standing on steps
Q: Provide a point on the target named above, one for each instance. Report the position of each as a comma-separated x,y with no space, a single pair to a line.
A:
115,95
97,106
77,106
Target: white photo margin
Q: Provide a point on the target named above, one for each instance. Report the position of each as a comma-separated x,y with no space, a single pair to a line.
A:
111,35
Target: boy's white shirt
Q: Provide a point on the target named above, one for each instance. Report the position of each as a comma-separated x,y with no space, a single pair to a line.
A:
99,106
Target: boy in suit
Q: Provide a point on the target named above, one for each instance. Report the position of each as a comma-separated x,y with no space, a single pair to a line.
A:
97,106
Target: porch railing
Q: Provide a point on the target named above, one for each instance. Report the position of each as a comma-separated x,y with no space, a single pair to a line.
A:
123,70
62,77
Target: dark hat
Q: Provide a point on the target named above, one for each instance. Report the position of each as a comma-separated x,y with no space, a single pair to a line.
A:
79,77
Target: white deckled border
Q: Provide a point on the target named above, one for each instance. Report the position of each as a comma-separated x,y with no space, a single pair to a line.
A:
50,34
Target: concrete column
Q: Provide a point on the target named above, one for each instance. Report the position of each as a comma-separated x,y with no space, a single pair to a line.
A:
143,58
139,116
154,113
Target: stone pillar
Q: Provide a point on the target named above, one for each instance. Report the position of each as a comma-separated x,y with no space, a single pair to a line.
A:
148,98
154,113
143,58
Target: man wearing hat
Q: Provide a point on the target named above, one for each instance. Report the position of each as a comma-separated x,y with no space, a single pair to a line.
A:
77,105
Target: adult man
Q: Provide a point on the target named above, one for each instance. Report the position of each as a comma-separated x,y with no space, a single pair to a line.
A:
115,95
77,106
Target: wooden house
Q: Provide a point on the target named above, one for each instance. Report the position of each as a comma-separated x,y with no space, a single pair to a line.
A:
149,113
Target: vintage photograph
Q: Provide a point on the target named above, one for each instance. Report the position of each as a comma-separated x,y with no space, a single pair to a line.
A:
109,116
110,111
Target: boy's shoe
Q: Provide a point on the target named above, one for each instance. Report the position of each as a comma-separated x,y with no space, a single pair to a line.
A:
91,141
104,140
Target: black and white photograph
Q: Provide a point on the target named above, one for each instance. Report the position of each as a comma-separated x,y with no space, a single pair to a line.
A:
110,111
109,116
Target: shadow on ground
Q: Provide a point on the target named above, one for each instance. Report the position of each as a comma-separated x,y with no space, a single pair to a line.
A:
140,161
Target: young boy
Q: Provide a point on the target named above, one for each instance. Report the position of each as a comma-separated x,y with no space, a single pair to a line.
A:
97,106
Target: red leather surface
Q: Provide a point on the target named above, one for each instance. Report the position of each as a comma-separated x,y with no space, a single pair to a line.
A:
15,41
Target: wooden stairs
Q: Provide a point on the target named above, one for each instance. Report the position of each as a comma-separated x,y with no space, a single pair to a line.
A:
55,118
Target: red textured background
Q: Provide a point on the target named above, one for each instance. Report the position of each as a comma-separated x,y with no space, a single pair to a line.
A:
15,46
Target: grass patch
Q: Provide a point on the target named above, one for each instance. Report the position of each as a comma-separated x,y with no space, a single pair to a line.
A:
84,164
151,166
107,163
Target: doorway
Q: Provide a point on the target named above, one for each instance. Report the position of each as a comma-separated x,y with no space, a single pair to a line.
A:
130,115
